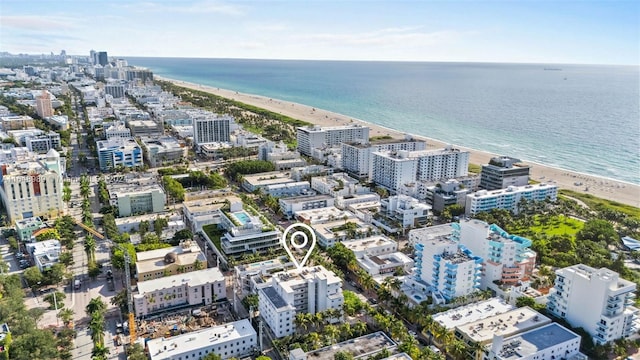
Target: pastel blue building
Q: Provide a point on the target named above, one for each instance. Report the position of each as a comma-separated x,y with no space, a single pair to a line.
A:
117,152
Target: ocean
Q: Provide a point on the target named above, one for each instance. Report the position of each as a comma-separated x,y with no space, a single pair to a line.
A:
584,118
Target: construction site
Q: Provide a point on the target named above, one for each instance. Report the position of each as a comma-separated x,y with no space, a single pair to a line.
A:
184,321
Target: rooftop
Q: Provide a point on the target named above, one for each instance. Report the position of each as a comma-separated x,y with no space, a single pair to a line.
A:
155,259
294,277
193,278
358,347
275,298
368,242
534,341
187,343
472,312
505,324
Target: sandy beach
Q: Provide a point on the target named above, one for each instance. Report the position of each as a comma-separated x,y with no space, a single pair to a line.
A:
619,191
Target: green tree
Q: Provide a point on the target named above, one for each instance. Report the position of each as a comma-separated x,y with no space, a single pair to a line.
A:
66,315
343,355
55,298
598,230
33,276
136,352
66,258
212,356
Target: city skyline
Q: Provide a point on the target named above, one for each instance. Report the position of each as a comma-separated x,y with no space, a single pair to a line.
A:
527,32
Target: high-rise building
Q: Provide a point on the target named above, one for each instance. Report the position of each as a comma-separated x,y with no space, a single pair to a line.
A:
502,172
211,129
508,198
93,59
507,258
397,169
451,269
115,90
102,58
32,188
307,290
597,300
317,137
356,156
43,105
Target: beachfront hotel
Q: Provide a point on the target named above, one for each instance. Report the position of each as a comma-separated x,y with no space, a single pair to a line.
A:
318,137
356,156
607,315
508,198
307,290
502,172
396,169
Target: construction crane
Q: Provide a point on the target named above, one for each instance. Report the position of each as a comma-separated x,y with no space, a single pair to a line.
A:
127,275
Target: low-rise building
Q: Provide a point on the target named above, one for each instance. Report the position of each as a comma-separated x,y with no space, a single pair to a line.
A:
447,193
59,121
201,212
466,314
386,264
117,130
136,200
41,144
195,288
363,347
156,264
26,227
509,198
305,290
246,233
406,211
549,342
118,152
16,122
44,253
290,205
162,151
237,339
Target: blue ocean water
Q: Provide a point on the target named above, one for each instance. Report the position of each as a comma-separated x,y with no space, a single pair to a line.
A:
584,118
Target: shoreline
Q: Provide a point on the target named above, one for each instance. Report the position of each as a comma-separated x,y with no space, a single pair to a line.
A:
610,189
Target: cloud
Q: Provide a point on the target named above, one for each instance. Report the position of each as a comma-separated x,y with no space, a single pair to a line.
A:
200,7
384,37
36,23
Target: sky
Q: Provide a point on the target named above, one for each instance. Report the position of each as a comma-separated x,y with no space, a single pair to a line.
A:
545,31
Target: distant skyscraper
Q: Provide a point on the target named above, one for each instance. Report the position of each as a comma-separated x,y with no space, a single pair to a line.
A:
93,59
103,59
43,105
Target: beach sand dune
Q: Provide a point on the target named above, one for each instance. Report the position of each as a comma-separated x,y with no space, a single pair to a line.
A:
619,191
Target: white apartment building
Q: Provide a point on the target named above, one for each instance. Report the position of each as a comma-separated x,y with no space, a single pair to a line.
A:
201,212
237,339
41,144
448,267
597,300
115,90
195,288
356,156
508,198
549,342
117,130
405,209
136,200
398,169
32,188
289,206
371,246
60,121
307,290
119,152
211,129
44,253
317,137
507,259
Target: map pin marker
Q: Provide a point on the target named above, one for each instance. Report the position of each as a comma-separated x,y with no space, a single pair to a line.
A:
298,241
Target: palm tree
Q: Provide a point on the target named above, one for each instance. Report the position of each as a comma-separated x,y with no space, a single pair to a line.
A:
331,332
314,339
476,349
95,305
96,325
346,331
359,328
301,320
457,349
66,315
99,352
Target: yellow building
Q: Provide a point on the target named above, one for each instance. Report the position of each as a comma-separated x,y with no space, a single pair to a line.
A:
159,263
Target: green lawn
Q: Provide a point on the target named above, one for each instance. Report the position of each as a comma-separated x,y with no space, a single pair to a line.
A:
594,202
557,225
214,234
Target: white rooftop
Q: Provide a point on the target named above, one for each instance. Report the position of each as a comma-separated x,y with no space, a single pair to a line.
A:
190,342
193,278
472,312
506,324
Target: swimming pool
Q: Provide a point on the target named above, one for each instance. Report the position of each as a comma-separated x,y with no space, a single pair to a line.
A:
242,217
